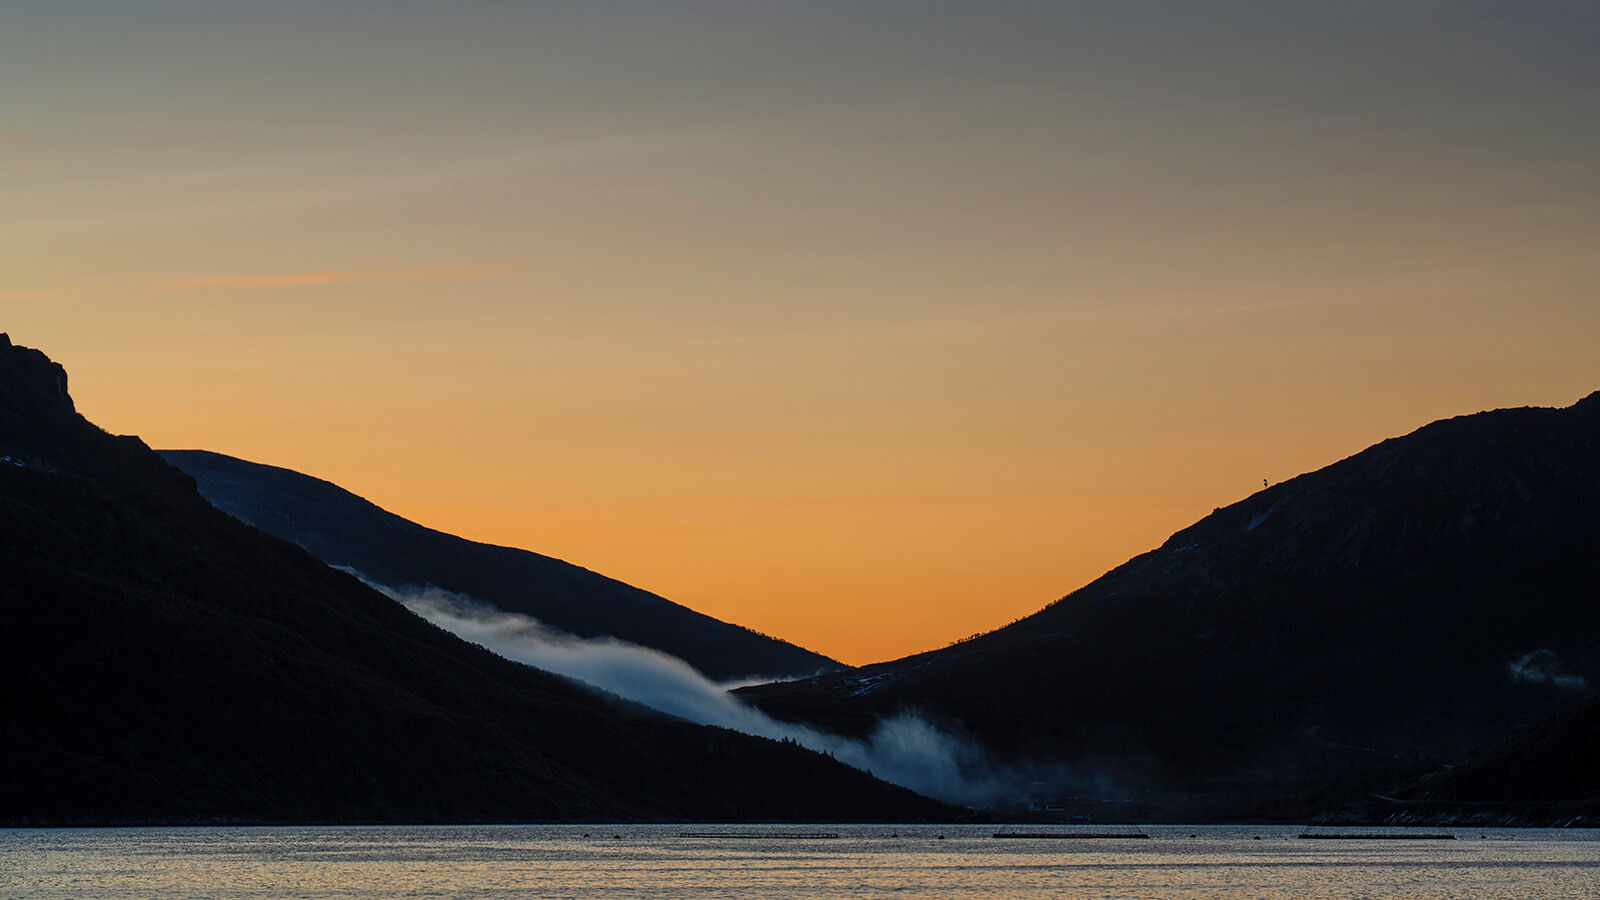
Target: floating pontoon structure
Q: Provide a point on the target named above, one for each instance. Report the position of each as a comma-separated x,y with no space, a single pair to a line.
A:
1071,835
762,835
1377,837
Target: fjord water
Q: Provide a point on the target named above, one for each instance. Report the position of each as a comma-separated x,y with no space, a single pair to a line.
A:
658,861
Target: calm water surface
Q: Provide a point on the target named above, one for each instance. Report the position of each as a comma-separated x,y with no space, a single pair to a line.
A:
912,861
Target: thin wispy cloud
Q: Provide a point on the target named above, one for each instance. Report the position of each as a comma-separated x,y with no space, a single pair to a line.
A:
333,276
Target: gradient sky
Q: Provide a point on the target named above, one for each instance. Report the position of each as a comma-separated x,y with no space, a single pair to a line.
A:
869,325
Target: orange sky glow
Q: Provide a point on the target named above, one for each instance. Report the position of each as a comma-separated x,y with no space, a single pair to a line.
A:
863,326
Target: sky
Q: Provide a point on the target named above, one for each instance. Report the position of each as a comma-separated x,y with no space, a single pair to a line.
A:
869,325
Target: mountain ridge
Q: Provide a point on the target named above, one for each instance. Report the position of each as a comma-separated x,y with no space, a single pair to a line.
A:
165,663
348,531
1338,632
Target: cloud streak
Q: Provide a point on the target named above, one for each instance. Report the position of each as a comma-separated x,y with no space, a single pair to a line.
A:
904,750
333,276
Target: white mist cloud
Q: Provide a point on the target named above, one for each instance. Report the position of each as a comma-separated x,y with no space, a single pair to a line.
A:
1544,667
904,750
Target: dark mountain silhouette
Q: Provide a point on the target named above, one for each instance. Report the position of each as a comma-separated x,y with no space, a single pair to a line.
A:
1329,636
1547,774
162,661
344,530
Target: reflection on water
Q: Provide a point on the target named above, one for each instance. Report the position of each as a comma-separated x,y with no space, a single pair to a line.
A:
908,861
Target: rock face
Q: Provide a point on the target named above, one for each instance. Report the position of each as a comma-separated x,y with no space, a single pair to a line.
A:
164,662
343,530
1331,635
29,379
33,390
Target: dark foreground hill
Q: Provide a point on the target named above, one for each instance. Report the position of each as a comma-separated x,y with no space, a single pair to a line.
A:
162,661
1330,636
1546,774
344,530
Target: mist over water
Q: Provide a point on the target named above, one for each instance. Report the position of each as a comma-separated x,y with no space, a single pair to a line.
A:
904,749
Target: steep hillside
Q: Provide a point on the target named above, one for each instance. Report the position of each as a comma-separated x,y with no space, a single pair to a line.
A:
1547,774
344,530
162,661
1331,635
